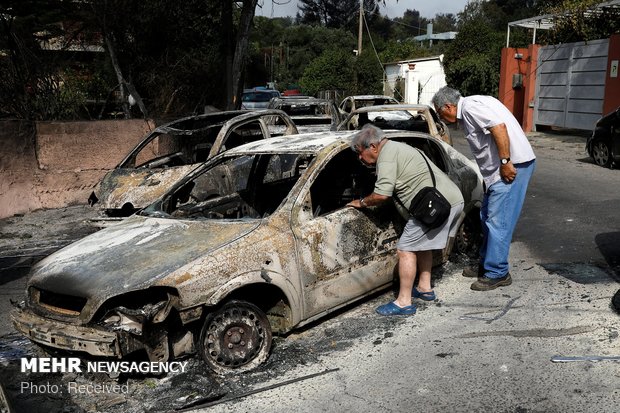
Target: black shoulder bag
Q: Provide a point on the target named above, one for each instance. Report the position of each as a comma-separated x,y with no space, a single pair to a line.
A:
429,206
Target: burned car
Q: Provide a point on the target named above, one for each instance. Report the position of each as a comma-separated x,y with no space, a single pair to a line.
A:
411,117
350,103
604,144
255,242
170,151
309,114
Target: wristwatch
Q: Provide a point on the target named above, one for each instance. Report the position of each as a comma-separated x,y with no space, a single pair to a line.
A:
363,203
504,161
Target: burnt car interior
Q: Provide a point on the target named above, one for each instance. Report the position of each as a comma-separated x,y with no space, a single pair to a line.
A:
243,187
186,147
414,123
343,179
254,186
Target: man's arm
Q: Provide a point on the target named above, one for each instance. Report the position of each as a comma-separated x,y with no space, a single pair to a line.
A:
500,135
369,200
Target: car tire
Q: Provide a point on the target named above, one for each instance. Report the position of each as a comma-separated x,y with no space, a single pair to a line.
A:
468,236
601,153
615,301
235,338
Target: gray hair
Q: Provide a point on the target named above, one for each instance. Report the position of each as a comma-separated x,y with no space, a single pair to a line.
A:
446,95
368,135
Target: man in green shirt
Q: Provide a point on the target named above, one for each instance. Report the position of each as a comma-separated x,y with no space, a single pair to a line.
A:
402,172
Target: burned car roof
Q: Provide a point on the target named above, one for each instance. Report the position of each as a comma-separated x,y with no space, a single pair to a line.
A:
411,117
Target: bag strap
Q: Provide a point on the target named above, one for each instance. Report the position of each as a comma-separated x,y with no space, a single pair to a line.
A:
429,167
432,177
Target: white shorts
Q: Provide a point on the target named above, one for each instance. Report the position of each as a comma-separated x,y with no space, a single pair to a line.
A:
417,237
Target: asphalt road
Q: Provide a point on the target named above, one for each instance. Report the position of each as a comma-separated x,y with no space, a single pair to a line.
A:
525,348
500,351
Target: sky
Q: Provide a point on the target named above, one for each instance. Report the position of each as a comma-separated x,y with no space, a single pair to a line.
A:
394,8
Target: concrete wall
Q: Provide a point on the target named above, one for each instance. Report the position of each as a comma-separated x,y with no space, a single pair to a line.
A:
56,164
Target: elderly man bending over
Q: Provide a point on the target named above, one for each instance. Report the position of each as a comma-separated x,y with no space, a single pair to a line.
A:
402,172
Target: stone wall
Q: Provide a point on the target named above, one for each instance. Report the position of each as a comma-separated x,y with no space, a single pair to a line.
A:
56,164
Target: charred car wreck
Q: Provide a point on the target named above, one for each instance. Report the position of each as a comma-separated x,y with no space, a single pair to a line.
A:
257,241
171,151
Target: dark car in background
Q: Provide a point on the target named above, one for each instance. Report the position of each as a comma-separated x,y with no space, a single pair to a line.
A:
604,144
257,98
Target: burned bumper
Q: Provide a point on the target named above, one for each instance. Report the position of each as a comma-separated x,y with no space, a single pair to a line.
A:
64,336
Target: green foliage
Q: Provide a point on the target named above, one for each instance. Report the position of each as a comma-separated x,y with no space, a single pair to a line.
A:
332,70
395,51
474,74
331,13
292,48
369,74
577,21
473,59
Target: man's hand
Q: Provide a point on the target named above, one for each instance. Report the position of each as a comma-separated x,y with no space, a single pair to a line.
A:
508,172
356,203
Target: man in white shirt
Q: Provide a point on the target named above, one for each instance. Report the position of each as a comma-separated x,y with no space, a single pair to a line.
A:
506,161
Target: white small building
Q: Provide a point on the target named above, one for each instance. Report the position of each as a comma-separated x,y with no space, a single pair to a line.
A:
414,80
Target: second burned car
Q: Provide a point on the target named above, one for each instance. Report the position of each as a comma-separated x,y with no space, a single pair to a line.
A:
257,241
170,151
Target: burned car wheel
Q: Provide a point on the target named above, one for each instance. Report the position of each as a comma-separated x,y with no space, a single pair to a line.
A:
615,301
468,236
601,153
235,338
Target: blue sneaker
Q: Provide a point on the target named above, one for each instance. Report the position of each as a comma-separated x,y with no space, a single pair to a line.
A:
392,308
427,296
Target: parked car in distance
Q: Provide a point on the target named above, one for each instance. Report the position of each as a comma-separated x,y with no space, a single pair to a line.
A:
411,117
604,144
310,114
350,103
170,151
257,241
257,98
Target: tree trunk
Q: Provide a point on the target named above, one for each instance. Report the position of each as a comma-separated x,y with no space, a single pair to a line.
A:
119,74
227,17
239,60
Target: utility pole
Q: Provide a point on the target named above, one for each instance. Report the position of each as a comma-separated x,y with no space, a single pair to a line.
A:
359,34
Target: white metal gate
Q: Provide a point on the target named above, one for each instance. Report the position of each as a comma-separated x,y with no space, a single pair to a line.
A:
570,84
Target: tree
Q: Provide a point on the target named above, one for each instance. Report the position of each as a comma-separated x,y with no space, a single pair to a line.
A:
473,59
574,21
331,13
410,25
333,70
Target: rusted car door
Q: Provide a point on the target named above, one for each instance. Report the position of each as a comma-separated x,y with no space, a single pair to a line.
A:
343,253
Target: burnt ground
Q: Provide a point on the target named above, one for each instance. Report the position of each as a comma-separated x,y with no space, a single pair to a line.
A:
27,238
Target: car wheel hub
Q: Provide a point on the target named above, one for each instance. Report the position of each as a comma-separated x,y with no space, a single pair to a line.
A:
234,337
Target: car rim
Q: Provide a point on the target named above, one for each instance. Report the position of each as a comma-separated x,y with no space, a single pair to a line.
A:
236,338
601,153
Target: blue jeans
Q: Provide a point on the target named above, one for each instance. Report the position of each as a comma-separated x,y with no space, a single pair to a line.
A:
499,213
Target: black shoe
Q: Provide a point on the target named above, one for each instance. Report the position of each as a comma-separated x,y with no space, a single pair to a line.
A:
485,283
473,271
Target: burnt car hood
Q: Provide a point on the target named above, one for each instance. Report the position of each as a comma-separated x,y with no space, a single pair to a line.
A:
138,187
121,258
